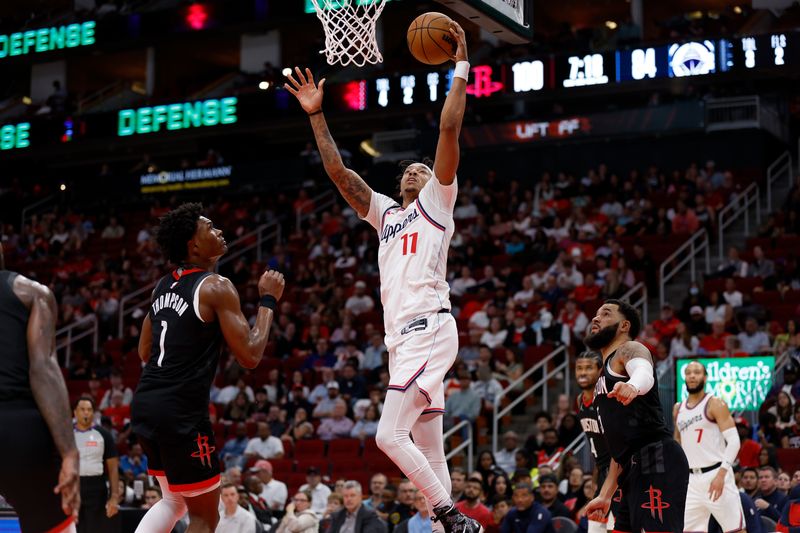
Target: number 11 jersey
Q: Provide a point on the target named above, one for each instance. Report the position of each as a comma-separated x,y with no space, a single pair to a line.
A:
173,392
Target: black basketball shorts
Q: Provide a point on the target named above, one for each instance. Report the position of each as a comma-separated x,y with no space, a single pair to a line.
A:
654,486
188,461
29,468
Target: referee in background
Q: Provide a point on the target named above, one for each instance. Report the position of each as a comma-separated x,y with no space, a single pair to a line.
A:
99,466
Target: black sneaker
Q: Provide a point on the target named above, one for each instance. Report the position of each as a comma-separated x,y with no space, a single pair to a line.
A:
455,522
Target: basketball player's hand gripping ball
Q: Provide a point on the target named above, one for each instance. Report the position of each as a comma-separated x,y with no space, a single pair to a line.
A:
624,393
305,90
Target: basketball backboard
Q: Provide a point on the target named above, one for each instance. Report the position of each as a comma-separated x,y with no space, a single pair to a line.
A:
509,20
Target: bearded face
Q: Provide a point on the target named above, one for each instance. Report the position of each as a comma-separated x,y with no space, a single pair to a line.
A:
700,387
603,337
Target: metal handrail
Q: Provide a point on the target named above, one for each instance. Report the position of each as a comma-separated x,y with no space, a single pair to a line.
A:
735,209
574,446
73,338
774,171
499,413
694,244
641,303
320,202
466,444
261,235
33,206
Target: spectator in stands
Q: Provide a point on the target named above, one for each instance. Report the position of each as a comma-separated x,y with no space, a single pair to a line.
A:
471,505
113,230
355,517
506,457
116,385
749,449
118,412
789,339
232,517
463,283
763,268
377,484
749,481
684,220
152,495
496,335
527,516
321,357
570,277
684,342
373,354
360,302
458,482
299,517
574,322
733,265
257,505
351,385
783,410
715,342
731,295
232,453
299,428
667,324
753,340
697,324
336,426
784,483
134,464
769,500
463,404
233,475
273,492
791,435
500,489
228,394
375,400
319,491
320,392
466,208
366,427
500,509
486,387
326,406
548,497
569,430
264,445
405,504
589,290
240,409
420,522
550,447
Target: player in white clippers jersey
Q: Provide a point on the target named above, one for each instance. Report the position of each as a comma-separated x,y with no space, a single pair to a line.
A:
706,430
421,335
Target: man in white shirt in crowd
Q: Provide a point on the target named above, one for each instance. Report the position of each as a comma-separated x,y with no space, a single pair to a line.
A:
320,392
464,282
506,458
232,517
325,407
753,340
274,492
264,445
319,491
116,385
360,301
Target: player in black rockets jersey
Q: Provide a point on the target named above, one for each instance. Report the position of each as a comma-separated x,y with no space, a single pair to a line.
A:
38,456
632,422
192,310
588,368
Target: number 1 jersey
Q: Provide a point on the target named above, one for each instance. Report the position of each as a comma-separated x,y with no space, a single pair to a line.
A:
412,256
173,392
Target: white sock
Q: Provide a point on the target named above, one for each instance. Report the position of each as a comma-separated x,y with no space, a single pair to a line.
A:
161,517
429,439
401,411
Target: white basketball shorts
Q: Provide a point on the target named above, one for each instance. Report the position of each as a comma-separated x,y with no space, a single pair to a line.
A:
423,352
727,510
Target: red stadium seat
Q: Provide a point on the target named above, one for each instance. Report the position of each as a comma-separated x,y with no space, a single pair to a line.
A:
306,449
282,467
344,448
321,463
345,467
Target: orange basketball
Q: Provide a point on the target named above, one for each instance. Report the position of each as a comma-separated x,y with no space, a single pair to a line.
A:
430,40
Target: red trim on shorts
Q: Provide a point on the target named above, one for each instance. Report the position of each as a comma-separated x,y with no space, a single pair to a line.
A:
410,381
152,472
780,528
741,524
62,526
620,531
194,486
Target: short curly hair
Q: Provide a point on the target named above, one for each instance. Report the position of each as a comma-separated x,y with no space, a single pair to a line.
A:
404,164
176,228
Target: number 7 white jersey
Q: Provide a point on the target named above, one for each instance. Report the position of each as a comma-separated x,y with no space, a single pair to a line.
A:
412,256
701,439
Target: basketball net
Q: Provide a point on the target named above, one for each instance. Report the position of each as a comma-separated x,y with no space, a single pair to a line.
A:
350,30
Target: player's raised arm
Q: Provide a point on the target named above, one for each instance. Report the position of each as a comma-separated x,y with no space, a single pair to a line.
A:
447,150
146,339
48,387
246,344
354,189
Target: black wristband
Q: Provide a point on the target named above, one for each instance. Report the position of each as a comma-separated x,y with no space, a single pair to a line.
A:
317,112
268,301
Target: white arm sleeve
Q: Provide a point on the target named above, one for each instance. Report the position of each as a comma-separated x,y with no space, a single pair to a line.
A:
731,447
641,374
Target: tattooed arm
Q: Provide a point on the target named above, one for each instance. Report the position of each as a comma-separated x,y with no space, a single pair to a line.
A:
639,366
47,385
354,189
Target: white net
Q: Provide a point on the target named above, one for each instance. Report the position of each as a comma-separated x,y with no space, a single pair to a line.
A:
350,30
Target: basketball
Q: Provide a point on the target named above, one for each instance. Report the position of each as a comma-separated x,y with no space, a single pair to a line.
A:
429,38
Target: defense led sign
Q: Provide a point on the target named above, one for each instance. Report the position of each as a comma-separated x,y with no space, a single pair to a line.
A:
174,117
47,39
14,136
